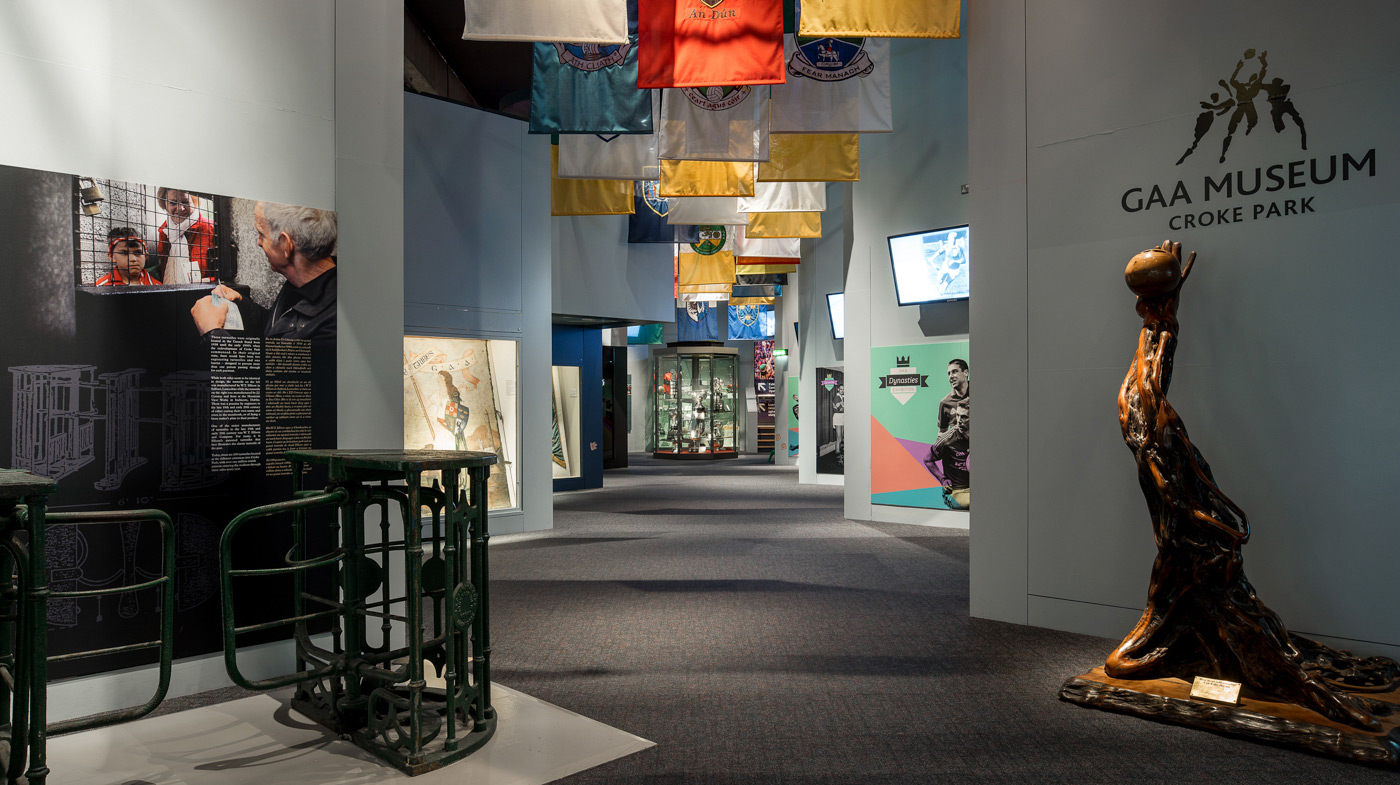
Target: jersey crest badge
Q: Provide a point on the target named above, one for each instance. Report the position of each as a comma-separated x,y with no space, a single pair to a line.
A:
592,57
711,240
718,98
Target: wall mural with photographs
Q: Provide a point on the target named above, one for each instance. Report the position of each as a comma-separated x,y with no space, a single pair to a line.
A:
920,414
164,347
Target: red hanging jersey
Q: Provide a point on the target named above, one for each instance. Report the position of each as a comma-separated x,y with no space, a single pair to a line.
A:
699,43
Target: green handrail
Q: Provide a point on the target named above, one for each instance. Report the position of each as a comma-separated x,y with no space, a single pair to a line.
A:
305,500
165,643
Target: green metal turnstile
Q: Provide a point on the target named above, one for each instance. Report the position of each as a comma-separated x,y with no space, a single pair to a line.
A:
426,589
24,599
376,692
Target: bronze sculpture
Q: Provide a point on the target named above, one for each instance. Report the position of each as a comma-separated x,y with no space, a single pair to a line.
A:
1203,617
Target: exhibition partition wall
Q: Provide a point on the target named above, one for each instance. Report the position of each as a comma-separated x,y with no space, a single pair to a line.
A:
910,180
283,118
482,281
131,385
823,270
1278,180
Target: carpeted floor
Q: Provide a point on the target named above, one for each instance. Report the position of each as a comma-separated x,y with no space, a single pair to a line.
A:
736,619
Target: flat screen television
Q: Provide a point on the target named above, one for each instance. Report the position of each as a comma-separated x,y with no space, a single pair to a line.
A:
836,309
930,267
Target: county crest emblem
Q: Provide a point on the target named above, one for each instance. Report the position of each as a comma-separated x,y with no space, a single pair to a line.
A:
830,59
717,98
746,314
592,57
651,196
711,240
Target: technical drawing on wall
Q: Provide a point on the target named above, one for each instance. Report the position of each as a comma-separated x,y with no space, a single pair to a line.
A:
60,410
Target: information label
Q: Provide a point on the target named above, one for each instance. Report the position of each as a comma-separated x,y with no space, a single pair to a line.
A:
235,402
1217,690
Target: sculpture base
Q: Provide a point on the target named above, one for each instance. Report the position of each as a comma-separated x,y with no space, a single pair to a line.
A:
1257,717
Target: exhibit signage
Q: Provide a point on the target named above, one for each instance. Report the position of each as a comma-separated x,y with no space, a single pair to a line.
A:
1278,189
919,444
831,421
1217,690
164,349
903,380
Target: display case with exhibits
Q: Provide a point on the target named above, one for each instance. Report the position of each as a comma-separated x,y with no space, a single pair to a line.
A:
565,446
696,389
461,394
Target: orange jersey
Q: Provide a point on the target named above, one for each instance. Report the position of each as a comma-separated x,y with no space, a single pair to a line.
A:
702,43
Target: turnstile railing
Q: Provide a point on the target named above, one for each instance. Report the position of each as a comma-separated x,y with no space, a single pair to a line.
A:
375,690
426,593
24,599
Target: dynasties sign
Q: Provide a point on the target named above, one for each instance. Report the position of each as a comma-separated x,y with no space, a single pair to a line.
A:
1252,100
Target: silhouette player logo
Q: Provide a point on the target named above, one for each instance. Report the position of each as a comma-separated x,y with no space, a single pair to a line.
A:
1239,104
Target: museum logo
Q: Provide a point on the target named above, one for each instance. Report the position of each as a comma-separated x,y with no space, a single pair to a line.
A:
592,57
1238,103
903,380
717,99
1217,199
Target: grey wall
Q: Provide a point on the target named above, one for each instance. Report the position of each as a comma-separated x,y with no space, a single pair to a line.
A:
369,187
910,180
476,242
997,163
1276,374
598,273
822,271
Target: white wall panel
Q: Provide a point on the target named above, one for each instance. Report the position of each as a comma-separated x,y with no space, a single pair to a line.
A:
1282,321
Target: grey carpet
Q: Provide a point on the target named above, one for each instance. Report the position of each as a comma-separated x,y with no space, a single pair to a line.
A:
736,619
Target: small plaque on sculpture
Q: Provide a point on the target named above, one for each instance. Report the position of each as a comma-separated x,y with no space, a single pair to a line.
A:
1216,690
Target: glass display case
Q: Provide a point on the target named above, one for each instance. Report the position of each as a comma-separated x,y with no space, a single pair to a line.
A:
696,392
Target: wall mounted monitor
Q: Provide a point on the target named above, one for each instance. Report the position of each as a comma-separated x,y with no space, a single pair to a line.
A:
836,308
930,267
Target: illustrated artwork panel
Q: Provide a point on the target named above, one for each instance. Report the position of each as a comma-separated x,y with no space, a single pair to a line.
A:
451,403
920,414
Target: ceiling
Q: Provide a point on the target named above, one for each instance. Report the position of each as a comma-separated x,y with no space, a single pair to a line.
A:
494,74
